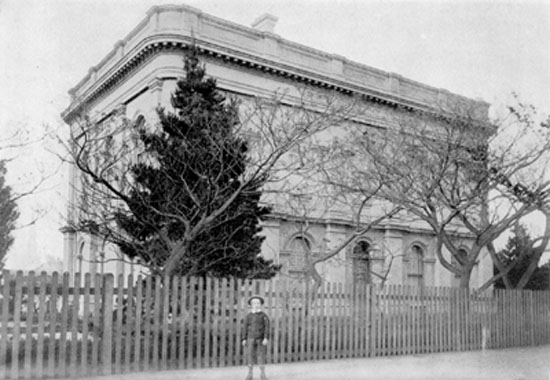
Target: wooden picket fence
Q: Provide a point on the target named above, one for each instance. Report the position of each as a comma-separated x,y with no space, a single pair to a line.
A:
55,326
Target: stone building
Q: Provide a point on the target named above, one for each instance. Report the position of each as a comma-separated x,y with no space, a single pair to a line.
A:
140,73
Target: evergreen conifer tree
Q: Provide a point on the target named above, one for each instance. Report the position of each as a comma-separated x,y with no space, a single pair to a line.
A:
185,196
8,215
520,250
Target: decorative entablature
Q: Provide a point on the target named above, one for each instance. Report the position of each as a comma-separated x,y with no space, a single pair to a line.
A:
398,226
175,28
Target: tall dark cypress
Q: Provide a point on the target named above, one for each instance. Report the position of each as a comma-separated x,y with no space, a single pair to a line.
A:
194,164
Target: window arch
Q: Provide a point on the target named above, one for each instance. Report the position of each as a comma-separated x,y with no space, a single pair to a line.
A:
299,243
140,122
416,265
362,262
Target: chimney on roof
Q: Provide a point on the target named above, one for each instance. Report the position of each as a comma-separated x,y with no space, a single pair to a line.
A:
265,23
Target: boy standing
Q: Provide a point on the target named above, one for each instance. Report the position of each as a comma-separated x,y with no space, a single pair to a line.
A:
255,336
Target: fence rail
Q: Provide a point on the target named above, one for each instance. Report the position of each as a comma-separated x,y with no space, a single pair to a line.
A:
55,326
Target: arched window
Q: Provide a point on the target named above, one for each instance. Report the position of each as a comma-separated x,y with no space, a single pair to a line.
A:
361,261
137,152
416,266
139,123
299,248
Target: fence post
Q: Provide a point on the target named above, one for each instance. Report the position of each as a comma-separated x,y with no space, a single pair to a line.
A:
531,319
175,322
165,291
183,298
189,285
41,325
355,316
52,330
139,333
146,321
129,327
157,309
118,347
64,322
107,339
301,316
6,285
29,322
372,320
75,304
85,321
207,331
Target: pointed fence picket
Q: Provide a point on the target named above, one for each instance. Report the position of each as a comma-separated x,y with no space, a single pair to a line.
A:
62,326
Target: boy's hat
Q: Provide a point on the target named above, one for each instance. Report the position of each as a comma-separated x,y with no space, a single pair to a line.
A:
257,297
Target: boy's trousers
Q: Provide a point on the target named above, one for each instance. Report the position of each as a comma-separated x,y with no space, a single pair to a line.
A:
255,352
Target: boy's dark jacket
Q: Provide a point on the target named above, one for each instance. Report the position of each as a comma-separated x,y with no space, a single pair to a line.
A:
256,326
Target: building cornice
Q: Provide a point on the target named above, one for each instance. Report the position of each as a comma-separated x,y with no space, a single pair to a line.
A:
173,28
384,226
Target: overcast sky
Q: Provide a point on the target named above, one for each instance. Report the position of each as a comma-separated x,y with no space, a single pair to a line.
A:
478,49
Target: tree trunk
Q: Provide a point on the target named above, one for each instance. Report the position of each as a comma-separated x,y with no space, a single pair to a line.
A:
464,282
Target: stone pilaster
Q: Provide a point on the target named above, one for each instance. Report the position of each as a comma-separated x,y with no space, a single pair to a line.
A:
429,271
339,271
94,244
271,246
69,248
155,88
393,245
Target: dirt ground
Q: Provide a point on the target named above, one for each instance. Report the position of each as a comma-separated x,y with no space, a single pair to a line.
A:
529,363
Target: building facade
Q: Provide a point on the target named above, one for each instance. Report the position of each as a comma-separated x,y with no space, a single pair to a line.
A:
140,73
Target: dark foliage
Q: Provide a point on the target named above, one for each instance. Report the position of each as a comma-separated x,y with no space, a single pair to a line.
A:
189,195
8,215
519,249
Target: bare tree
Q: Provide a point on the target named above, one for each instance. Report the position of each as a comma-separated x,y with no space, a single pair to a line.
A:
14,145
324,188
467,179
15,142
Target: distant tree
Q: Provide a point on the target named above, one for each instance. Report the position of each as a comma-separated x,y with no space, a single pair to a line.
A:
8,214
17,141
540,280
518,255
